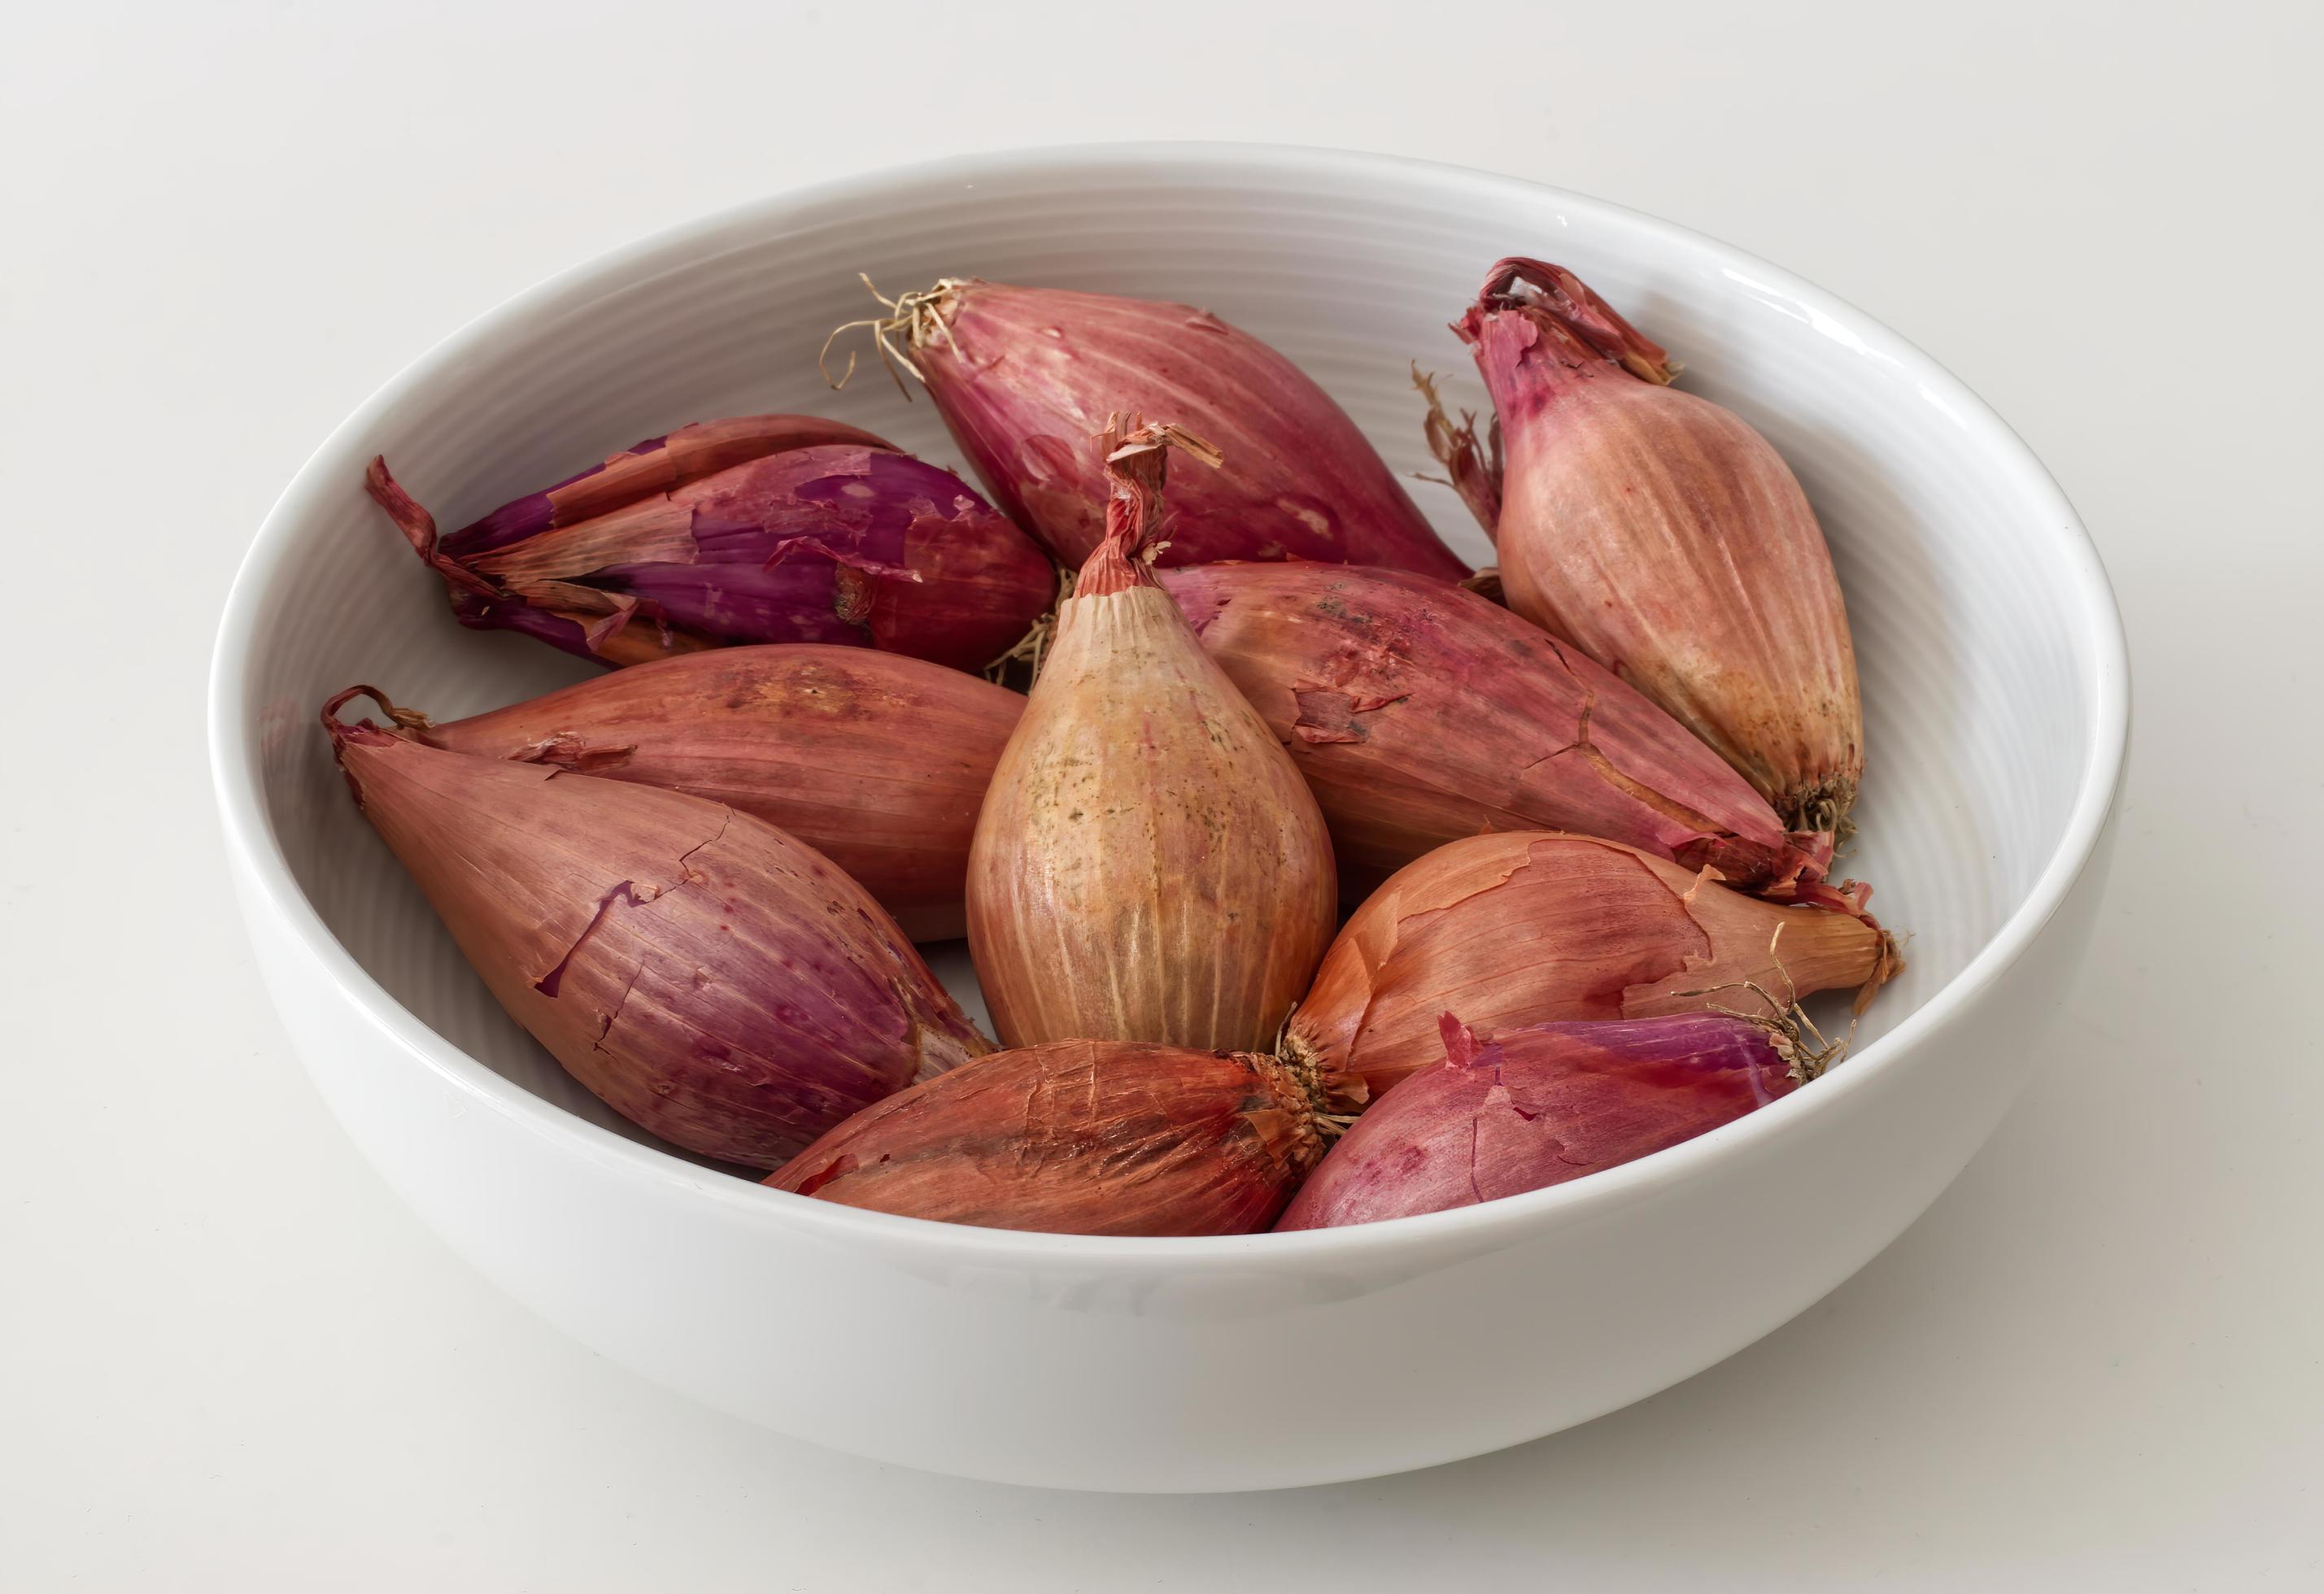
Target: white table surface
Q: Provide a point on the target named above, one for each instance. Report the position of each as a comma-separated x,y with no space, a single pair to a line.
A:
230,1361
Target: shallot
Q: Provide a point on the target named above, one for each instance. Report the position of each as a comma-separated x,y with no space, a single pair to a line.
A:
1527,928
708,977
1084,1137
1539,1106
670,549
1421,714
877,761
1149,865
1664,536
1025,378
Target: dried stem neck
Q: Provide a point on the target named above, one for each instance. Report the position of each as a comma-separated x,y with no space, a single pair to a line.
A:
1562,303
916,319
1795,1035
1472,471
1020,665
1337,1097
403,719
1323,1109
1821,805
1136,457
418,528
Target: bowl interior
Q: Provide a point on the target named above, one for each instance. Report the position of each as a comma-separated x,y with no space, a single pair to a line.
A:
1966,584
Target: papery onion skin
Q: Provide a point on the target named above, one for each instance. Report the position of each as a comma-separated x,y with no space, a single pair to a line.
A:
1667,539
1420,713
877,761
1533,927
1539,1106
705,975
845,543
1080,1137
1026,376
1147,865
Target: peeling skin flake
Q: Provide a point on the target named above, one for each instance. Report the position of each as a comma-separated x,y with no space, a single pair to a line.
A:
547,984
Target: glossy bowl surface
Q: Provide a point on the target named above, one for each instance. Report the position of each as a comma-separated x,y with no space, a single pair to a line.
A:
1996,698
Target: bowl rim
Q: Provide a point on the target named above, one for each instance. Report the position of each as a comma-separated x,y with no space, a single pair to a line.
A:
2099,636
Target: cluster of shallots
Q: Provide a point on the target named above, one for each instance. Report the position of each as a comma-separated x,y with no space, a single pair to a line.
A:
1585,837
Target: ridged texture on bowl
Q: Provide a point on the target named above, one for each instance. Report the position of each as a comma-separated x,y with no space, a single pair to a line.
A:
1986,645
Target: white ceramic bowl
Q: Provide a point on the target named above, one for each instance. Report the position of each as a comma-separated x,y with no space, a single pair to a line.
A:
1995,692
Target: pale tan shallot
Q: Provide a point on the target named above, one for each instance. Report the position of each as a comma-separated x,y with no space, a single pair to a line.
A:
1149,865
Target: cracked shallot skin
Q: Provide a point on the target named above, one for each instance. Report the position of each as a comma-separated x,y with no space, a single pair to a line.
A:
1081,1137
1421,714
1542,1105
707,976
1533,927
1665,537
825,535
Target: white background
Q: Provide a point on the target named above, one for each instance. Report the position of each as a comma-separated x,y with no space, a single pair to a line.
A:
229,1360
